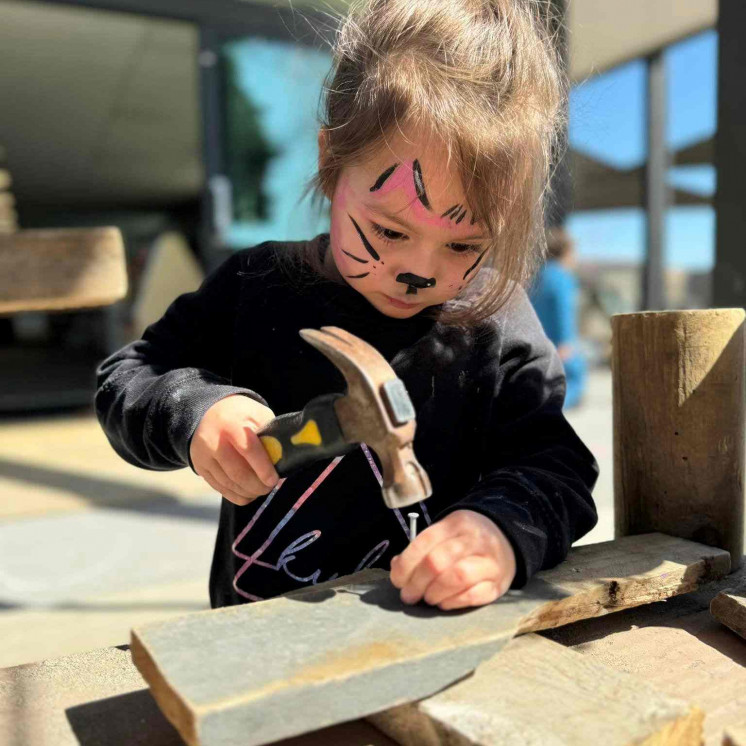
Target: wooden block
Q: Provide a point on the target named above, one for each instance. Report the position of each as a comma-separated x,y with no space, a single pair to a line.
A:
333,653
729,607
46,270
680,425
679,648
536,691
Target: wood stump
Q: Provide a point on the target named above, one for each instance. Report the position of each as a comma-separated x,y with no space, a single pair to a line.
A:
679,399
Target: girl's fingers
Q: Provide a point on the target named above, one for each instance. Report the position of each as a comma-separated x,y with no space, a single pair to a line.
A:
408,561
258,458
464,574
241,476
438,560
228,494
478,595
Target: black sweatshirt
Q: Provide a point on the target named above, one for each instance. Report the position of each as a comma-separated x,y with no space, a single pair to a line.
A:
490,428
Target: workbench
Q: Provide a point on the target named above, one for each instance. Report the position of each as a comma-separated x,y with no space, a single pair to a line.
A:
99,697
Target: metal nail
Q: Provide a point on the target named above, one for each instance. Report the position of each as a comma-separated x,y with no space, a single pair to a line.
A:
412,525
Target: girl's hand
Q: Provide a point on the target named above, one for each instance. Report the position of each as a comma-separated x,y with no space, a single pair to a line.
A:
227,453
463,560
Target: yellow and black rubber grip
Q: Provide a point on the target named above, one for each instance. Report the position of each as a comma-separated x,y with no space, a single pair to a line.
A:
297,439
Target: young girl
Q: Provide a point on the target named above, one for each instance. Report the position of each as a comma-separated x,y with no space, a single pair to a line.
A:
439,123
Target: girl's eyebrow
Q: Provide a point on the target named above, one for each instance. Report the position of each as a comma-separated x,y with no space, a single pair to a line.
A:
403,223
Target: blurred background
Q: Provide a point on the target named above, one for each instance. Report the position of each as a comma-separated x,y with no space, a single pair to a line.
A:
192,127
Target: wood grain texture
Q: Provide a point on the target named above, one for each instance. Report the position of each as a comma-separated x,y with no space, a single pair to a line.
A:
678,647
61,269
536,692
679,398
264,671
729,607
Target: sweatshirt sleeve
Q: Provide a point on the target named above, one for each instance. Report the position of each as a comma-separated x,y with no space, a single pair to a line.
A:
537,475
153,393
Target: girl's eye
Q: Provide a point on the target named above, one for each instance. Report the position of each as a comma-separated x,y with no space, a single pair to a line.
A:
386,233
465,248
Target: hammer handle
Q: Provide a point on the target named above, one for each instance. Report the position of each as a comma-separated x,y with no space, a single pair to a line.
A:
298,439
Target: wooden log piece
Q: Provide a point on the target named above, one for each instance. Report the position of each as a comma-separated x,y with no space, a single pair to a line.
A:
322,655
48,270
679,398
729,607
536,691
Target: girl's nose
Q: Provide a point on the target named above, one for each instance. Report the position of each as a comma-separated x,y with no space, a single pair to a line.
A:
415,282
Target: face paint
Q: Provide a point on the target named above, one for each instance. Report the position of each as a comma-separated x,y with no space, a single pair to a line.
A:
416,281
352,256
390,241
365,241
474,266
381,180
419,185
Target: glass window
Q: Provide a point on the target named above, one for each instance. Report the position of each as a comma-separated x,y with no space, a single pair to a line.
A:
271,97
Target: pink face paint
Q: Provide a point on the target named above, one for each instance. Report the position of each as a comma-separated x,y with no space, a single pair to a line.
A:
403,178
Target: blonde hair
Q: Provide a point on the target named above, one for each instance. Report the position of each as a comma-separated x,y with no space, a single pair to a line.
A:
485,77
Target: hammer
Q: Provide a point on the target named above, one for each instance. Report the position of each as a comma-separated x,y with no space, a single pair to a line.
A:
375,410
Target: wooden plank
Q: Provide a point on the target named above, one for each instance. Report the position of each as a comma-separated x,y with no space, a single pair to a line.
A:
680,425
329,654
679,648
46,270
536,691
729,607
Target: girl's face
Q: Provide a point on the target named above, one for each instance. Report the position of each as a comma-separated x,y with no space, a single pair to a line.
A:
401,232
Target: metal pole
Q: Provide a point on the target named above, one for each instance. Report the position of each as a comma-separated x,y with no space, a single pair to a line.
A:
656,187
729,276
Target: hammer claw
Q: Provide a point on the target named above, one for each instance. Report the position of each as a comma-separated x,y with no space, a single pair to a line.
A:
375,410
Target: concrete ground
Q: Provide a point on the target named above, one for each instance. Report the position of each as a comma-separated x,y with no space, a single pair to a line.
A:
91,546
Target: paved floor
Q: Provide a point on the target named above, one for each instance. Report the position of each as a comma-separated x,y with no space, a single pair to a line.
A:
91,546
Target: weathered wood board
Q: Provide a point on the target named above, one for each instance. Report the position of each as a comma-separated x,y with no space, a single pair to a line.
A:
729,607
536,691
679,648
48,270
265,671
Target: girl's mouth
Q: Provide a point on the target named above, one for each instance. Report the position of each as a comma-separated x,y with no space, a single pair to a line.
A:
399,303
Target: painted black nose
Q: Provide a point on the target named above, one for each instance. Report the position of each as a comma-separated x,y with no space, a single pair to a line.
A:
415,282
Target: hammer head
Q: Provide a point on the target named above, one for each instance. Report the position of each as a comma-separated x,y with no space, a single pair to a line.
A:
375,410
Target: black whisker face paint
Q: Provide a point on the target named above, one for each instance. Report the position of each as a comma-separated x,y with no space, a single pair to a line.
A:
419,185
473,220
365,241
381,180
356,258
450,210
461,217
357,277
474,266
